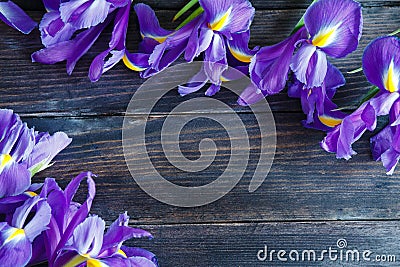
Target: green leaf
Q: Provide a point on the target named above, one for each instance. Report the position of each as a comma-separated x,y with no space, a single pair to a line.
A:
192,16
301,21
371,93
395,32
185,9
39,167
355,71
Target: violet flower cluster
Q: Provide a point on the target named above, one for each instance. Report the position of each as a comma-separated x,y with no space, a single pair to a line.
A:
381,65
42,222
70,28
219,36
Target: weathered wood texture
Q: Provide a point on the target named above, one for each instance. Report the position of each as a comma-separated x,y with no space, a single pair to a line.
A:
305,183
238,244
308,201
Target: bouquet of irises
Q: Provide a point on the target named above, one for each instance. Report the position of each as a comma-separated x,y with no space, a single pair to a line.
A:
41,222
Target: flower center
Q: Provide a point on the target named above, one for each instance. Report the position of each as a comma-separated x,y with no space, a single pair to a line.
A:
30,194
4,160
220,23
16,233
325,37
93,263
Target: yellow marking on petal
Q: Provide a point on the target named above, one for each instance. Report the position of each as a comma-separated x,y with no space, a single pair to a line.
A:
219,24
130,65
309,93
121,252
4,159
78,259
330,121
224,79
16,233
239,55
94,263
325,38
391,79
30,194
160,39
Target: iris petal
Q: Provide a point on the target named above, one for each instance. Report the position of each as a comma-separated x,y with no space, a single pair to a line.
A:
239,49
149,25
14,179
53,30
136,62
45,150
335,26
14,250
381,63
309,65
116,46
15,17
84,13
228,16
269,68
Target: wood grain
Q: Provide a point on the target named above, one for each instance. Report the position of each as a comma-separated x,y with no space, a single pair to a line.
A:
305,183
238,244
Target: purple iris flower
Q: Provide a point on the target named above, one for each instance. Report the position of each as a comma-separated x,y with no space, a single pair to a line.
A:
89,17
24,152
331,27
221,33
90,245
15,17
238,56
17,236
335,28
381,64
66,213
224,30
160,47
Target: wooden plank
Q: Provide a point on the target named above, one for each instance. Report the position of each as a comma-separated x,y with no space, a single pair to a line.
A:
305,183
239,244
75,95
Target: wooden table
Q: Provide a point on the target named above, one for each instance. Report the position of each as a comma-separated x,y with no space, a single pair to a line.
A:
309,200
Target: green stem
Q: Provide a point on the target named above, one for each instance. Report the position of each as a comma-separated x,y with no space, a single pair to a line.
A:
355,71
371,93
301,21
185,9
192,16
395,32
